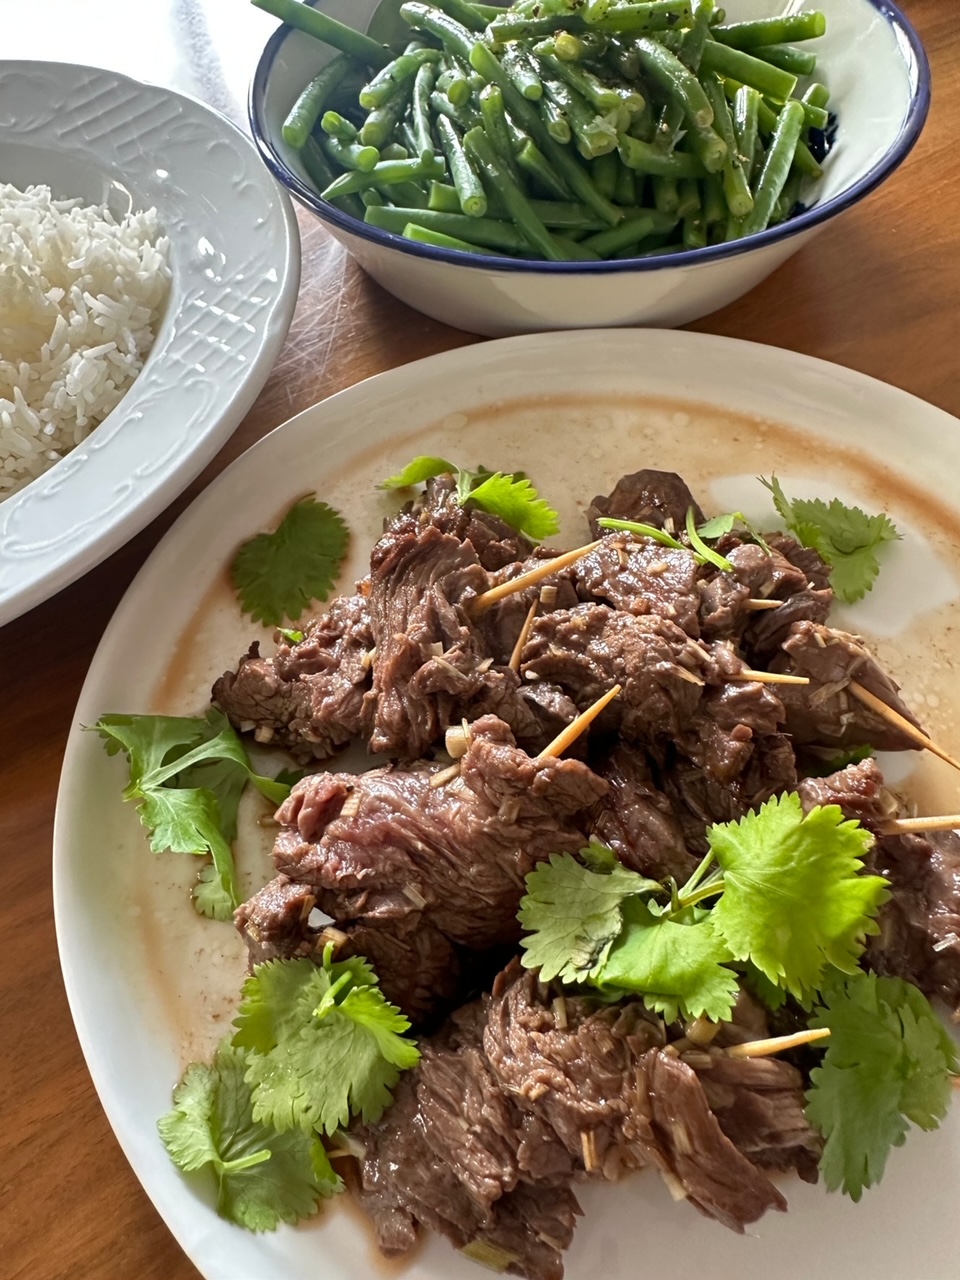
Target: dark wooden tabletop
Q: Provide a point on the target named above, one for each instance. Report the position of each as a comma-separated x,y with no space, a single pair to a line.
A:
878,291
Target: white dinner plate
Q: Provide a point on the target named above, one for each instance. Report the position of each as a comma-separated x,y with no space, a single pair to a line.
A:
151,985
235,259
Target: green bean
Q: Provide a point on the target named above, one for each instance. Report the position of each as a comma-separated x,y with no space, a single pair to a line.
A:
371,196
568,214
396,151
601,97
799,62
488,12
463,12
568,46
420,108
630,232
688,202
454,36
789,197
536,166
386,173
321,27
736,187
668,126
381,122
443,198
695,231
506,29
746,105
473,200
490,232
576,251
318,170
626,188
695,37
814,117
805,160
518,205
741,66
351,155
594,135
675,81
763,31
666,195
408,194
423,235
714,204
339,126
558,126
308,108
568,169
388,79
495,122
708,146
776,168
520,68
646,158
627,18
455,84
604,172
466,115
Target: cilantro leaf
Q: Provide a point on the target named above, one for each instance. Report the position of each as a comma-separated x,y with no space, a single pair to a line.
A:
277,575
717,526
678,968
263,1177
888,1063
816,767
572,916
326,1043
186,776
794,900
416,472
517,503
847,538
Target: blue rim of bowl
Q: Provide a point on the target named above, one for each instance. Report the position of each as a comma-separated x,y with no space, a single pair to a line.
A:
918,69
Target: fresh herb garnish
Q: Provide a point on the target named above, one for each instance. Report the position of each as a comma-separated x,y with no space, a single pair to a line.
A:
325,1044
642,531
263,1177
186,776
789,896
509,495
277,575
717,526
846,537
702,550
814,767
291,634
888,1064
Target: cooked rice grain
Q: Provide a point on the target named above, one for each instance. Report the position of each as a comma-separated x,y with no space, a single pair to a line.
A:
80,298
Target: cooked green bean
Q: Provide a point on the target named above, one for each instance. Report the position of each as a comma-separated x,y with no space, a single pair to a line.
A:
628,19
604,172
495,122
490,232
593,134
351,155
799,62
736,186
381,122
695,37
307,109
688,201
783,30
513,196
321,174
536,165
473,200
388,79
423,235
714,203
558,126
466,115
443,198
338,126
805,160
327,29
420,107
727,61
675,80
746,105
817,95
463,12
520,68
776,168
669,125
386,173
644,157
666,195
455,83
625,193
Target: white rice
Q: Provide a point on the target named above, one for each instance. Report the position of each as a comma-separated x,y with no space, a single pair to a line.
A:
80,298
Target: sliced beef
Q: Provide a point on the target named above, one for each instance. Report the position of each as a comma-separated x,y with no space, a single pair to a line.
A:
496,543
660,498
858,790
588,649
727,726
641,576
309,696
389,851
275,921
759,1105
825,713
920,926
637,820
500,624
536,712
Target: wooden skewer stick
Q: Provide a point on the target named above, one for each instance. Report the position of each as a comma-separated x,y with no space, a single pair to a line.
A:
514,662
755,606
905,826
898,721
776,1044
573,730
769,677
531,577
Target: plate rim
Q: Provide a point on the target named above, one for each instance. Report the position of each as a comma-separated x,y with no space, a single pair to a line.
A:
31,589
191,1240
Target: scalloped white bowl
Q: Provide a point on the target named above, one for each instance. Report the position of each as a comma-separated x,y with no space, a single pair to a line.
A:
235,260
877,71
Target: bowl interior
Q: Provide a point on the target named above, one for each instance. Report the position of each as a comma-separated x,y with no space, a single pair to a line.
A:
872,108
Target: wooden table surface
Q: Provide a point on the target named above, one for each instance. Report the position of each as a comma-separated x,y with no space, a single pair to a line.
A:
878,291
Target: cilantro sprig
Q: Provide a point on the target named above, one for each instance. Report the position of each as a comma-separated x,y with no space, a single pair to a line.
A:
509,495
847,538
888,1065
187,775
277,575
789,896
324,1043
262,1177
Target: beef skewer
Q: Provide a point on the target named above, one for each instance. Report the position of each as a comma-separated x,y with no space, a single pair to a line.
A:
898,721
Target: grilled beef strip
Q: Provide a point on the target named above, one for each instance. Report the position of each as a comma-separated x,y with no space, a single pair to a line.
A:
659,498
642,577
309,696
637,820
825,713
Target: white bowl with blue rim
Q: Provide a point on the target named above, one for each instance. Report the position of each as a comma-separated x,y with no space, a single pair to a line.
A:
875,66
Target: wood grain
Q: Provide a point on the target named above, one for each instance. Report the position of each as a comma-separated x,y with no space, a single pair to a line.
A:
879,291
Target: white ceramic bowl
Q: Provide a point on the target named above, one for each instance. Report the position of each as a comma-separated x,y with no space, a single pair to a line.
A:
877,71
